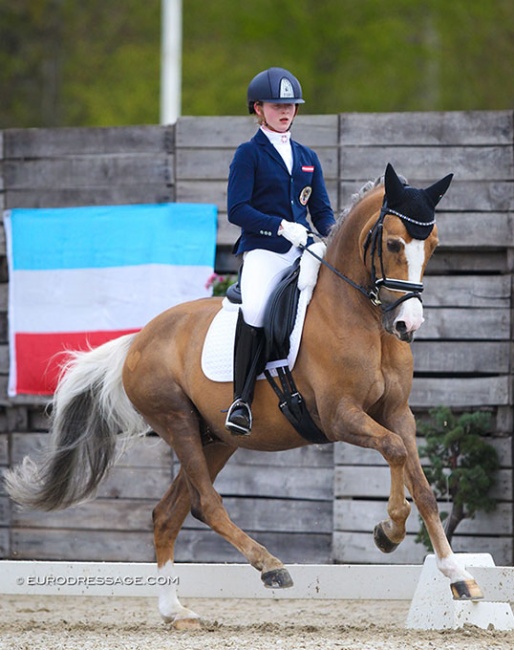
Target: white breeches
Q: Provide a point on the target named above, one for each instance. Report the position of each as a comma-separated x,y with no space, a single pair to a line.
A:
262,271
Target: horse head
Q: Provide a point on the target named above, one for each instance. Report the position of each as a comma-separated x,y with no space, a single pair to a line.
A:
402,241
394,224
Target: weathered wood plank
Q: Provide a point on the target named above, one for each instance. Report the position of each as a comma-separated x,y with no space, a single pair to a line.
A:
82,545
136,483
465,324
4,449
374,482
277,515
151,452
101,514
362,516
51,143
461,357
5,511
467,291
359,547
192,546
315,131
476,195
280,515
451,261
495,229
4,358
115,194
292,548
213,164
5,543
291,483
345,454
461,392
434,128
418,163
311,456
87,171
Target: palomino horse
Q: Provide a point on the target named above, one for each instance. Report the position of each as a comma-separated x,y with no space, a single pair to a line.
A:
354,370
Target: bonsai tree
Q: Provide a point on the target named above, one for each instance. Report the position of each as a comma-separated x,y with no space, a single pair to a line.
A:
462,465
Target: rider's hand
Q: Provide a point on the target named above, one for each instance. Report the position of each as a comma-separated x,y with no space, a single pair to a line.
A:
293,232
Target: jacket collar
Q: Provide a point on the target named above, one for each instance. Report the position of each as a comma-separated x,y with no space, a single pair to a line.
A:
261,139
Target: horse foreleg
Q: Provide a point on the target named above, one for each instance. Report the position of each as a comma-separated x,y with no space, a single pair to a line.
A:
389,533
462,583
361,430
168,517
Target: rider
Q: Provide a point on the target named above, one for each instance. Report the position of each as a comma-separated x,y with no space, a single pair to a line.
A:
273,182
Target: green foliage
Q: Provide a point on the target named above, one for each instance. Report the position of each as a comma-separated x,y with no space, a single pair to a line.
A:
462,465
97,63
65,63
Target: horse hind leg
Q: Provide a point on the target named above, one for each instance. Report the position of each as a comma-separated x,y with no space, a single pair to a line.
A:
180,428
168,518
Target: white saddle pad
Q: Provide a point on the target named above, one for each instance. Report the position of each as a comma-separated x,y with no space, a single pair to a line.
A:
218,348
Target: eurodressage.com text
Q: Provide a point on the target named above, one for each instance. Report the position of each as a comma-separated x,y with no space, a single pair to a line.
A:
97,581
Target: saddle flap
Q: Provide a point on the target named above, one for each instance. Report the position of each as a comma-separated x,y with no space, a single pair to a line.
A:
280,314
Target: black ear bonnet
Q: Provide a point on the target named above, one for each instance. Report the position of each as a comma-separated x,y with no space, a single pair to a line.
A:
416,208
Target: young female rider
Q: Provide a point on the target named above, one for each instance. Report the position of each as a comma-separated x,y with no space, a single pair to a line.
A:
273,181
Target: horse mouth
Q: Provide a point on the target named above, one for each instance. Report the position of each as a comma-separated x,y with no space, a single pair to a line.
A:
407,337
398,329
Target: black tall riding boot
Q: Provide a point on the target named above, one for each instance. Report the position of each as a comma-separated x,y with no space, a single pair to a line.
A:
248,363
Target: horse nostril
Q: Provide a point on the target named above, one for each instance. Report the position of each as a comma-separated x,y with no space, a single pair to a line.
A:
401,327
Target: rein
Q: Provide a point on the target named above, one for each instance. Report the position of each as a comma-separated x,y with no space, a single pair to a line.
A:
374,239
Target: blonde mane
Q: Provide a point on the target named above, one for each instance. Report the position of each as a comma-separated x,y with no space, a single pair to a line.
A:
357,198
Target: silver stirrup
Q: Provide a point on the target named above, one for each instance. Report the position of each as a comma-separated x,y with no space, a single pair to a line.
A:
232,426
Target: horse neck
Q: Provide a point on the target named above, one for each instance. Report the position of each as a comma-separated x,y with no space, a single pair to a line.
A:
345,250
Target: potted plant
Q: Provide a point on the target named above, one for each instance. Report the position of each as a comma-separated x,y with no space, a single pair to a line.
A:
462,465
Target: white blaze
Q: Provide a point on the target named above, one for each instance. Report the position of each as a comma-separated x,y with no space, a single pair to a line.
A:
411,311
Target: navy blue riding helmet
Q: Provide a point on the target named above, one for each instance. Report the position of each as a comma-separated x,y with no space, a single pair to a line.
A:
275,85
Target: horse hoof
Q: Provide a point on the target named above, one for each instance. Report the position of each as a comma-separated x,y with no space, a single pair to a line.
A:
187,624
466,590
382,540
277,579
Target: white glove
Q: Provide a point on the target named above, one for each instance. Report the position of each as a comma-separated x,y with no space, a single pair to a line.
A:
293,232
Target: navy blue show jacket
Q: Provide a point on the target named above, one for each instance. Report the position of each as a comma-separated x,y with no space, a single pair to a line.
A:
262,192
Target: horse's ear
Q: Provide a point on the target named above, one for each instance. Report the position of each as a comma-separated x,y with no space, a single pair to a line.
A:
393,186
436,191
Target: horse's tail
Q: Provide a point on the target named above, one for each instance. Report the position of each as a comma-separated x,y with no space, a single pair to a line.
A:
89,409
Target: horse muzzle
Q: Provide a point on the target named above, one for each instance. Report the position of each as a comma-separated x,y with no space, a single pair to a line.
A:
404,319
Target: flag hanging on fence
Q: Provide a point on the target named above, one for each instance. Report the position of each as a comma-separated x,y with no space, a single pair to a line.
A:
79,277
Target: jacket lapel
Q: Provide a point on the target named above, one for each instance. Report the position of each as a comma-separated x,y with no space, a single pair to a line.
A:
264,142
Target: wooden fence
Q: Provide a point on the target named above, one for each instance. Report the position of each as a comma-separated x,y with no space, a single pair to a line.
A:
316,504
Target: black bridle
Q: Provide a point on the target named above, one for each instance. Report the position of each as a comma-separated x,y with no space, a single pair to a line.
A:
374,244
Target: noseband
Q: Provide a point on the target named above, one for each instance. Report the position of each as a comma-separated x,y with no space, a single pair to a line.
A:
374,244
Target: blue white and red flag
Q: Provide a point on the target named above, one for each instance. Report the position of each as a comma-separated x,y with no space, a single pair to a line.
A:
79,277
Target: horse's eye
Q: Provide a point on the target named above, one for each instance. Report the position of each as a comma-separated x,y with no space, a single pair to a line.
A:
394,245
